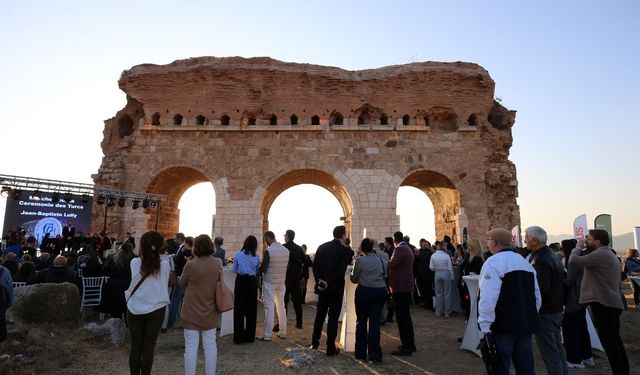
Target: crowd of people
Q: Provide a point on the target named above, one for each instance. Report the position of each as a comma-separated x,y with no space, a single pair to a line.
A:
540,290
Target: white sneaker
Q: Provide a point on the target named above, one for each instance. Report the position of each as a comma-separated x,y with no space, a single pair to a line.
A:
575,365
589,362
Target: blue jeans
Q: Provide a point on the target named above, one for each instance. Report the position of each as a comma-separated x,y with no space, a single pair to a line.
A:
369,302
174,306
518,348
550,344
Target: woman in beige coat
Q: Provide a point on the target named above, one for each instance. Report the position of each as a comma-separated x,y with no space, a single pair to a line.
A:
199,314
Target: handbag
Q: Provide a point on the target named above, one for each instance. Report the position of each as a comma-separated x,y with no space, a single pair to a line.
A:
390,302
489,354
224,296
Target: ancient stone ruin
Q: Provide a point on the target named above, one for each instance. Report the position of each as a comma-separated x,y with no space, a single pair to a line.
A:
255,127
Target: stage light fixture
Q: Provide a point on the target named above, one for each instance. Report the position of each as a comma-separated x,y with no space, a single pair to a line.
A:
136,204
111,201
37,195
85,199
6,190
145,203
121,201
100,199
68,197
55,197
154,204
16,194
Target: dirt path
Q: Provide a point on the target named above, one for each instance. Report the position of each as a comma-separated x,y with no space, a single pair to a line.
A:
438,351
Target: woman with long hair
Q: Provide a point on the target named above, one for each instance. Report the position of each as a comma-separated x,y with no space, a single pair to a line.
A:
199,314
472,266
147,297
118,269
475,257
369,272
246,265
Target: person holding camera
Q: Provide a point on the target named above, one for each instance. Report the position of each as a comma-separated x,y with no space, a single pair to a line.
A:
509,304
329,267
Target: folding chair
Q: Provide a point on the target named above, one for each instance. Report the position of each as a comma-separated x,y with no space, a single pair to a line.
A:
91,292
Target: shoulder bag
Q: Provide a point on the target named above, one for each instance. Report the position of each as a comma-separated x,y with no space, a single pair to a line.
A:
224,296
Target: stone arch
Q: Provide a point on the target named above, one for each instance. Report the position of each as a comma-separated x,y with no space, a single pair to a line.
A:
384,119
444,196
200,119
172,182
177,119
315,120
294,119
306,176
273,120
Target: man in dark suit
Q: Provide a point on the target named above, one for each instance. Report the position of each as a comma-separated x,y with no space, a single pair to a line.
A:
329,267
401,284
297,259
220,252
68,232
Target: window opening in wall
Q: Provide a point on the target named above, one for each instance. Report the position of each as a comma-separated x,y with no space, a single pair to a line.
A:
251,121
384,120
473,120
273,120
177,119
426,120
224,120
125,126
406,119
294,120
155,119
360,120
336,119
200,120
315,120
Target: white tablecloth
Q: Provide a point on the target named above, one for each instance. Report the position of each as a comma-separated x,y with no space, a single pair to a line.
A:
472,334
348,314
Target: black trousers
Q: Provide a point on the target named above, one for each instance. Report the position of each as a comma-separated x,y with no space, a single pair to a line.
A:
607,322
328,301
144,330
575,334
3,324
403,318
245,309
292,292
426,290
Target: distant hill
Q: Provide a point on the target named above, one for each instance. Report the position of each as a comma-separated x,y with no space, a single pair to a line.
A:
620,243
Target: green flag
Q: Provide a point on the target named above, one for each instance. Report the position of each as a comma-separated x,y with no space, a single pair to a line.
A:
603,221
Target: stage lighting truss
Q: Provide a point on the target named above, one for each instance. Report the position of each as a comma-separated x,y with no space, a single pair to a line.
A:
15,186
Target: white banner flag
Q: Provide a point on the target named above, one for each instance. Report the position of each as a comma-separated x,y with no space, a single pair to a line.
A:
637,237
516,237
580,227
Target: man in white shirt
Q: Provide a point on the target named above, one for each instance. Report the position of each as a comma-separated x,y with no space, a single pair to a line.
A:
274,269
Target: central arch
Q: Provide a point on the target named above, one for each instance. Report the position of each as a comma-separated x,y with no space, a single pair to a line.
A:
306,176
172,182
445,198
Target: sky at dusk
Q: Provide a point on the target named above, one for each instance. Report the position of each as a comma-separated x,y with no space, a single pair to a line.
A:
569,69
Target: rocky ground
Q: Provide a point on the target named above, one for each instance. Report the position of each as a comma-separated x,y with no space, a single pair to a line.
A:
57,350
